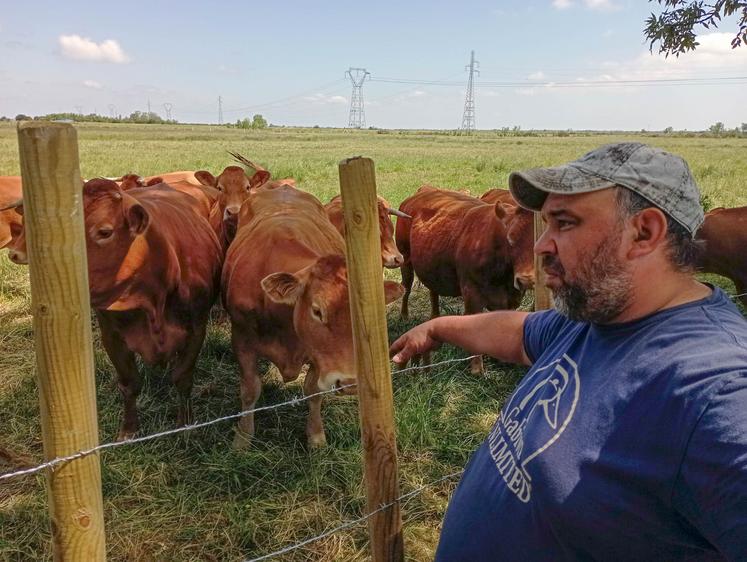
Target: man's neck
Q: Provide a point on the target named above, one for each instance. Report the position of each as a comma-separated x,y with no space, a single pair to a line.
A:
670,290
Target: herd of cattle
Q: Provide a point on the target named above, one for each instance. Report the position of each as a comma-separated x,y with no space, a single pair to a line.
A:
162,249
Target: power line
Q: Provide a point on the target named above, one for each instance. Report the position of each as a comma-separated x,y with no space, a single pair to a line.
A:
468,116
720,80
357,119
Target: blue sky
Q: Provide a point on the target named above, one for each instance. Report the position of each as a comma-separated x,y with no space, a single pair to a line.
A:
286,60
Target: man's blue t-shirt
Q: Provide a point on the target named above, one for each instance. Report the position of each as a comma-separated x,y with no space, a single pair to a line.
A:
623,442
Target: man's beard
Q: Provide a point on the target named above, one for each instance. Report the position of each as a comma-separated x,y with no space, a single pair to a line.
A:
601,289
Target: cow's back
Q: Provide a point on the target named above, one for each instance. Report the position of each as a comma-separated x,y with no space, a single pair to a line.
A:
187,231
495,195
440,219
724,234
281,229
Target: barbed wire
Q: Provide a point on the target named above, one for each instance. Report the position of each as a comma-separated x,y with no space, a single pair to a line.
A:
738,296
111,445
354,522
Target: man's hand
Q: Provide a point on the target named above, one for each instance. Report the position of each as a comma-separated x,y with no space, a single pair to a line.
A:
417,341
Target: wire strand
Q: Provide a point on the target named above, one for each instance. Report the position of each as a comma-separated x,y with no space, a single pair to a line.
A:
111,445
354,522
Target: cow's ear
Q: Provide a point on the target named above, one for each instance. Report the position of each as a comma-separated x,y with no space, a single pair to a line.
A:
500,210
206,178
136,215
282,287
259,177
392,291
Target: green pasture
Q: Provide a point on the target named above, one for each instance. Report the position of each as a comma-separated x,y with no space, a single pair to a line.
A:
191,497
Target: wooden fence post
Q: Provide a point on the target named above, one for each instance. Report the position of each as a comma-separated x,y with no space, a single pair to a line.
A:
371,345
542,299
53,217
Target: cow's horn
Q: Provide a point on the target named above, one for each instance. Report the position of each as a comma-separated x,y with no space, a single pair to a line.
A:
398,213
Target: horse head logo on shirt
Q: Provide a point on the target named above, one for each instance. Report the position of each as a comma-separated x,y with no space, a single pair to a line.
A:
533,419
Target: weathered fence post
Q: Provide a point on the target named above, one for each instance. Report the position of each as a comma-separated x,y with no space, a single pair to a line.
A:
368,311
53,215
542,299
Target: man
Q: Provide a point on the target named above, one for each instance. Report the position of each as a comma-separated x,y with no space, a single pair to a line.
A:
627,438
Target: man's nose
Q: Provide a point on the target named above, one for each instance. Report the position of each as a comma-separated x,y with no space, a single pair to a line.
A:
545,244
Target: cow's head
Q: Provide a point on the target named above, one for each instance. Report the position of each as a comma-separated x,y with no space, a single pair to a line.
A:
321,316
519,225
113,221
390,256
234,187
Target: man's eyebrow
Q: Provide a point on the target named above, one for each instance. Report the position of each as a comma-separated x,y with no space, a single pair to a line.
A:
562,211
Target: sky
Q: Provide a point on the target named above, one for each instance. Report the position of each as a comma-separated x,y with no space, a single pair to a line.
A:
544,64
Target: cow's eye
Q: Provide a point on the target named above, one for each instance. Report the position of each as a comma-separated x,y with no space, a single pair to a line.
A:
317,312
105,232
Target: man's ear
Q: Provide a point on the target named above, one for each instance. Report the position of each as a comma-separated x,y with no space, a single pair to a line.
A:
649,232
282,287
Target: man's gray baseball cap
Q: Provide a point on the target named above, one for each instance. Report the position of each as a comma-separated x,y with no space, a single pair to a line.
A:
660,177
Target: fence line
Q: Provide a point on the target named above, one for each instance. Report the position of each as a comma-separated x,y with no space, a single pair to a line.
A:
293,402
354,522
111,445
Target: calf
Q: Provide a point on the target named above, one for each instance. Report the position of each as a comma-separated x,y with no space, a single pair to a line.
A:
153,273
457,245
390,256
284,285
724,234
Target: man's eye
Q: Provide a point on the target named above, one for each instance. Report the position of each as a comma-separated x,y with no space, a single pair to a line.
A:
564,224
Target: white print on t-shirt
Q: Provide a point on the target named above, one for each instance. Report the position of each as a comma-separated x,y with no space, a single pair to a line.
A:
532,420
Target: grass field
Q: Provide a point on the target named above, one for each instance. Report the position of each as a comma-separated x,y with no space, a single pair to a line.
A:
191,497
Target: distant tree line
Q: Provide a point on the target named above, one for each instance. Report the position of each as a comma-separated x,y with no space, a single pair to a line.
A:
257,122
134,117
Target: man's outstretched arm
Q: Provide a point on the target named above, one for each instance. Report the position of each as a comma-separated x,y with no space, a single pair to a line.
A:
499,334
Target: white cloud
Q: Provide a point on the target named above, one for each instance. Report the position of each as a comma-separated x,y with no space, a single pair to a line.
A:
539,75
83,48
714,57
602,5
92,84
562,4
325,99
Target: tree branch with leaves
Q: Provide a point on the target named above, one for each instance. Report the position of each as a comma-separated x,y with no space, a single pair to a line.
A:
674,28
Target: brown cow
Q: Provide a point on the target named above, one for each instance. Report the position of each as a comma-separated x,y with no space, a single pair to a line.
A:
390,255
520,225
234,187
153,273
284,285
458,246
725,250
10,219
